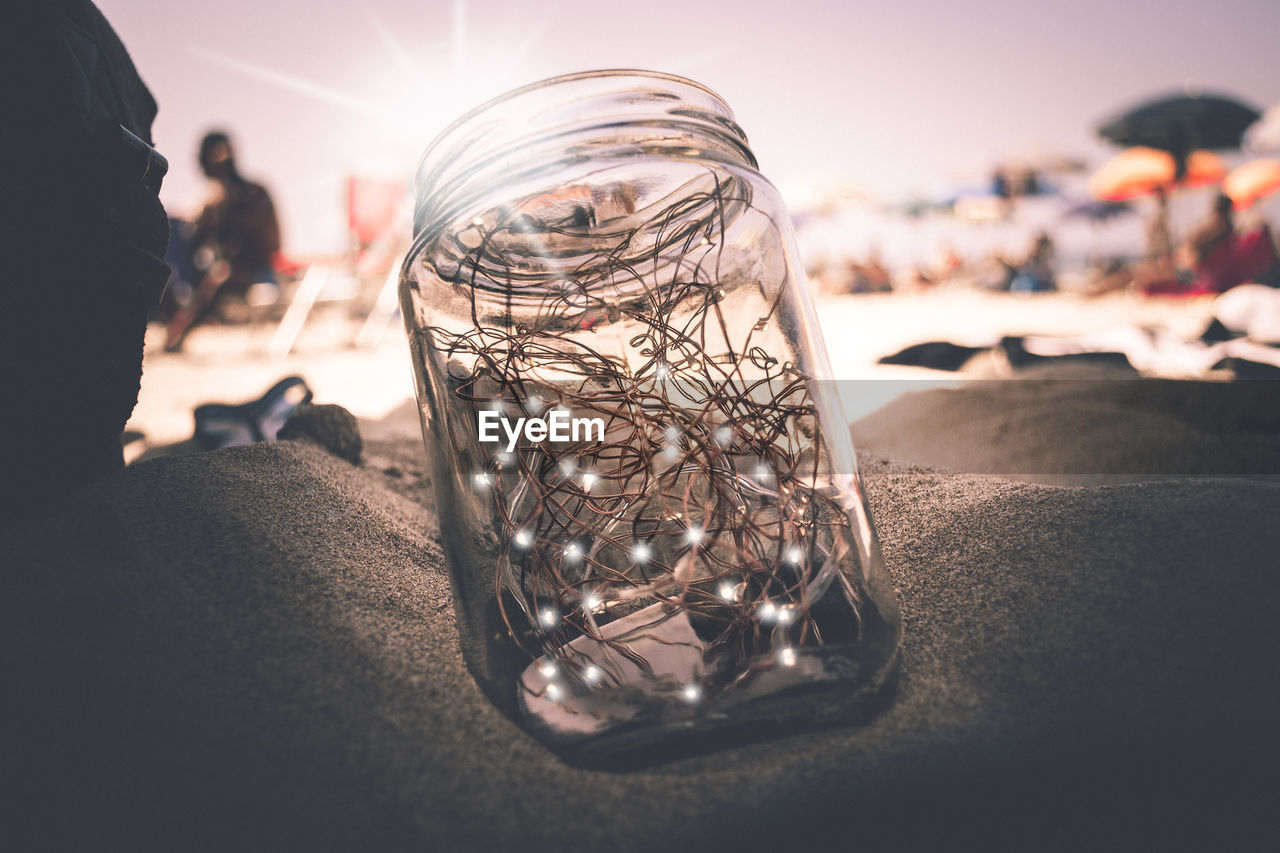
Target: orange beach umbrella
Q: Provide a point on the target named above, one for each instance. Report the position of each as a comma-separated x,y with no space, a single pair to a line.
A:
1252,181
1137,172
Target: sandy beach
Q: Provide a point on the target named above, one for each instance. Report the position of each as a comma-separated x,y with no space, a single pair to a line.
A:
256,647
1024,257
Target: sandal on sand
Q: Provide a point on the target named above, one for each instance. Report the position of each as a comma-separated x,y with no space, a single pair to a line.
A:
221,425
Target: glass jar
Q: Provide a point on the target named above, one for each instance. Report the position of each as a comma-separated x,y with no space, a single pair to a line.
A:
646,485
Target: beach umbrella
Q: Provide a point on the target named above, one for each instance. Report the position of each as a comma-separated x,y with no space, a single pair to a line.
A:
1252,181
1181,124
1138,172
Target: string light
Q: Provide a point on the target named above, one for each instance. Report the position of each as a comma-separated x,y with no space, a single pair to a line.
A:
672,436
553,692
722,426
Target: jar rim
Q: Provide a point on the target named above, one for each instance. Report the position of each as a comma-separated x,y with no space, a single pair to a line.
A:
474,141
571,77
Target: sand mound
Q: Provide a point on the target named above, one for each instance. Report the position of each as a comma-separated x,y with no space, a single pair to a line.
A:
255,647
1105,428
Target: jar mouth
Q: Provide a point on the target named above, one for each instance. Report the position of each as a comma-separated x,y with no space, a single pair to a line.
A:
573,77
540,123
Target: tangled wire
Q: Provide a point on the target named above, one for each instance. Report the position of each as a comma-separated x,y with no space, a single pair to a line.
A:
705,495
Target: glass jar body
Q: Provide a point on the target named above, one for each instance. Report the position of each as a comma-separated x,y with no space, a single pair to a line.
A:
646,486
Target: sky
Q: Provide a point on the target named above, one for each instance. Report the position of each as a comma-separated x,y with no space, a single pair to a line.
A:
892,99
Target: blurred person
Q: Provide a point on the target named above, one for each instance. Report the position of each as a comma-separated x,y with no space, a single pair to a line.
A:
876,274
1212,259
948,266
83,248
869,277
1002,190
993,272
1221,255
237,232
1210,237
1036,272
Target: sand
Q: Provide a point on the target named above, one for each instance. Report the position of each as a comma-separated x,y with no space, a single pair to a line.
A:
1076,424
256,647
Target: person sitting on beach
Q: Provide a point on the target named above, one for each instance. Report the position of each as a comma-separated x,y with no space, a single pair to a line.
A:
1035,274
1213,259
871,277
238,228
